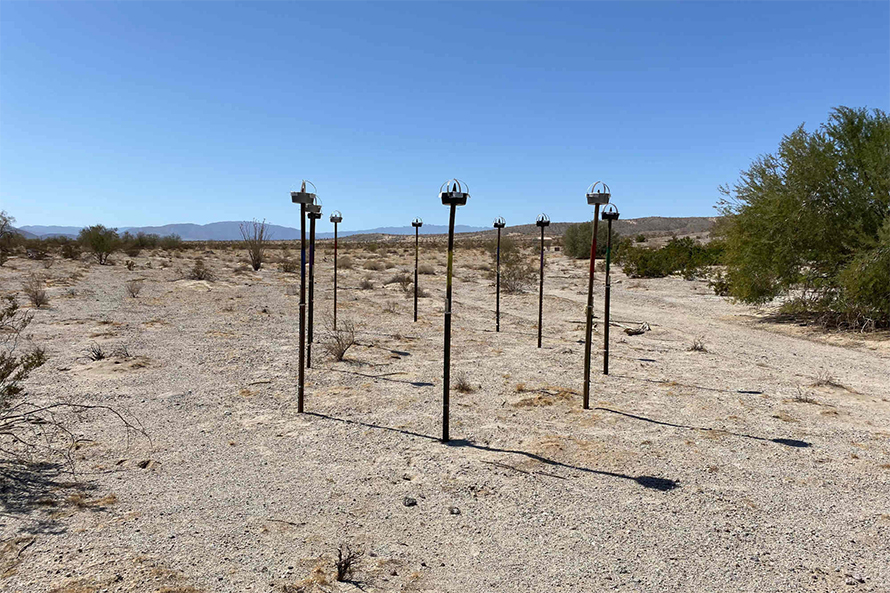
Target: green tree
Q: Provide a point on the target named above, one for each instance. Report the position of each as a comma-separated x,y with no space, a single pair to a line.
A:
810,221
576,240
101,241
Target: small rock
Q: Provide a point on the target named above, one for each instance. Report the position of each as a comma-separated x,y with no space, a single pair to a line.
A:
851,581
454,510
409,502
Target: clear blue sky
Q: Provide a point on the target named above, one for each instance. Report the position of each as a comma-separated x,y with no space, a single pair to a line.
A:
152,113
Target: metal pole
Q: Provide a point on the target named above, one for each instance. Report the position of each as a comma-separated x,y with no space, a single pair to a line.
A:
335,276
497,307
302,306
541,292
311,287
447,355
608,290
589,329
416,259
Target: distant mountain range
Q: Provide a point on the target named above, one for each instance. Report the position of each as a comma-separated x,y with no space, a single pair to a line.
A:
230,231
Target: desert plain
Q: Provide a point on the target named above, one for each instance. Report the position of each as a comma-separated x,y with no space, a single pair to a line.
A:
759,461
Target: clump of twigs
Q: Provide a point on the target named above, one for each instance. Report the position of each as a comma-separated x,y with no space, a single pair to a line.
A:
95,352
825,379
35,289
462,383
347,560
256,239
698,345
337,341
804,397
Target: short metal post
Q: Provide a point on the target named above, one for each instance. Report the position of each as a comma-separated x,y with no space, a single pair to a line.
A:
311,287
447,354
416,260
497,307
608,291
302,307
589,329
335,276
541,292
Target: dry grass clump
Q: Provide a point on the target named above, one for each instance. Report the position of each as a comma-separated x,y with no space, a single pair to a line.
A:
462,383
288,266
374,265
134,287
95,352
426,269
35,289
391,307
345,263
825,379
804,397
698,345
200,271
366,284
337,341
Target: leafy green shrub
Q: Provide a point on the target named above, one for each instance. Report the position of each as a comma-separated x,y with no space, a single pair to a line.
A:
685,256
811,221
576,240
101,241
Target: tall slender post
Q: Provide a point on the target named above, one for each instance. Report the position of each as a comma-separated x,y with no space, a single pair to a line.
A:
541,292
542,222
447,353
416,261
335,275
589,329
302,306
313,216
608,291
497,290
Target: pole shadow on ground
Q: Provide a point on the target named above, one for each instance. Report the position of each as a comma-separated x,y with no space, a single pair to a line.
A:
651,482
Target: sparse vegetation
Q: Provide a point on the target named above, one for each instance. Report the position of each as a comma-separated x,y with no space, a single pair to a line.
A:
684,256
35,289
462,383
337,341
577,238
345,263
426,269
366,284
200,271
374,265
256,239
517,271
698,345
95,352
347,560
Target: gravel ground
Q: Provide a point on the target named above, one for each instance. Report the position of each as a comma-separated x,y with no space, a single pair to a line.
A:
727,469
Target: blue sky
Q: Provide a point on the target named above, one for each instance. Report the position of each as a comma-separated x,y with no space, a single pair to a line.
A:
152,113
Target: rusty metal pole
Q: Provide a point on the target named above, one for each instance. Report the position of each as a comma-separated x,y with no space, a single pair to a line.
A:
608,295
312,219
447,353
541,292
497,307
416,261
589,329
302,307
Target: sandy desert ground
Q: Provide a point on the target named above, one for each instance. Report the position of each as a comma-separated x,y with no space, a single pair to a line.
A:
760,464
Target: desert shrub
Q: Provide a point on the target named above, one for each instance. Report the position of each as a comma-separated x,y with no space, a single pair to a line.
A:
517,270
36,249
169,242
345,263
256,240
130,264
685,256
813,220
288,266
698,345
14,367
374,265
101,241
462,383
95,352
35,289
640,238
7,236
134,287
337,341
719,284
366,284
200,271
577,237
391,307
426,269
346,563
